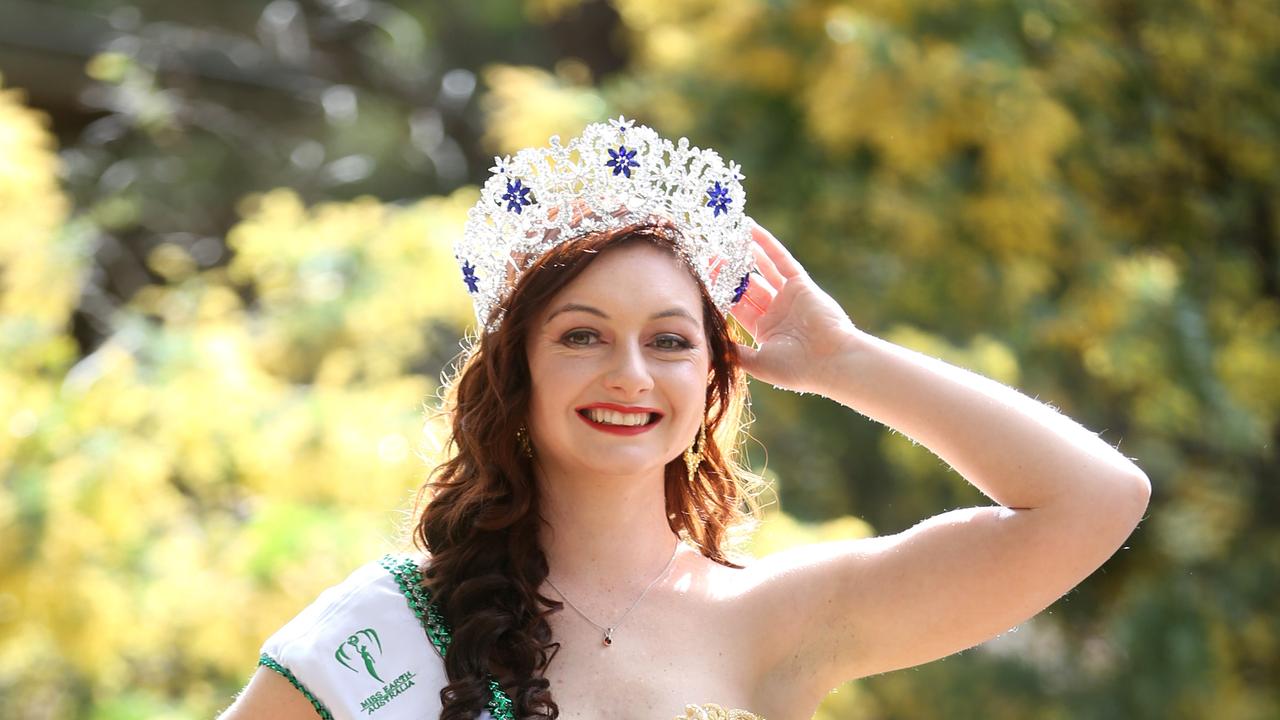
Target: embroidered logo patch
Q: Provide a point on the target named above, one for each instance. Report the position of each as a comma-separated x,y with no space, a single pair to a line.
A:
363,650
358,646
388,692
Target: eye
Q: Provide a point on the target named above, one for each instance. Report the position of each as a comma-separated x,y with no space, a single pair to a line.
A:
577,338
672,342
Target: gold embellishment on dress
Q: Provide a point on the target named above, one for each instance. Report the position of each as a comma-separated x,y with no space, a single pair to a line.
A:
712,711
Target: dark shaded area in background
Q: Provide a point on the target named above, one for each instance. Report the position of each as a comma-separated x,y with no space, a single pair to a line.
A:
1097,201
334,99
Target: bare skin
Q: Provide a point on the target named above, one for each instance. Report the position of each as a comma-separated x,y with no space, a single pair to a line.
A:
776,637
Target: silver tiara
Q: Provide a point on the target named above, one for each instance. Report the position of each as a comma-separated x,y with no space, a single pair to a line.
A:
613,174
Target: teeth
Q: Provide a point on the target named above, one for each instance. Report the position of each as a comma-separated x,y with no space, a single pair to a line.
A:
612,417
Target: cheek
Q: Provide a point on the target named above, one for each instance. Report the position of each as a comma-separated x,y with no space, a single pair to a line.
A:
687,387
692,381
554,381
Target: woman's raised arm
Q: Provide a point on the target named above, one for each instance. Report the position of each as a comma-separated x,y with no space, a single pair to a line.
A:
1066,499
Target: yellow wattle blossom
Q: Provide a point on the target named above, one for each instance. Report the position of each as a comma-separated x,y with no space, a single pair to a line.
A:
526,105
41,262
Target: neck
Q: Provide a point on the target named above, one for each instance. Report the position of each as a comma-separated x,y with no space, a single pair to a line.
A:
604,535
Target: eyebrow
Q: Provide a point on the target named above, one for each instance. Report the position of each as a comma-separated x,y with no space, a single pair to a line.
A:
572,307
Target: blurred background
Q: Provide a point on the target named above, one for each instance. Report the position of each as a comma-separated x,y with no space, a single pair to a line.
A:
227,295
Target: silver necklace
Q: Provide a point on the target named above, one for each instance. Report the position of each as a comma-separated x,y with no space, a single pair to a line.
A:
608,631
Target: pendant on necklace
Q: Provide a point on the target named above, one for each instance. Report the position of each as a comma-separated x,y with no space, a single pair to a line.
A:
608,637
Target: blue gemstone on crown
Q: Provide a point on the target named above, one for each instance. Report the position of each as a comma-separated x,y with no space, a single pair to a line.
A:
719,199
623,160
469,277
517,196
741,290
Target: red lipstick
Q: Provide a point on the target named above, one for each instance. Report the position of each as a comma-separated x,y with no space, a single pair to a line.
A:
620,429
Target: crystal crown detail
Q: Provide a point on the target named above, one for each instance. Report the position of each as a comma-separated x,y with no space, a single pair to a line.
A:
612,175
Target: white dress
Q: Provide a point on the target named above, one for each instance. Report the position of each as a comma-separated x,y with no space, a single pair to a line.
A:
360,651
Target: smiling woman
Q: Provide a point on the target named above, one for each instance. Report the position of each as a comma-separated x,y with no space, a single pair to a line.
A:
574,428
593,468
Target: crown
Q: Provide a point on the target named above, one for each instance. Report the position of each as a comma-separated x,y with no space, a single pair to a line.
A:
612,175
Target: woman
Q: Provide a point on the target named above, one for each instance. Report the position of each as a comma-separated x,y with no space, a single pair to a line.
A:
576,556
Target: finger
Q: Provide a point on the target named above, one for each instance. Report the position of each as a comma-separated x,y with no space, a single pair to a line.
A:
750,308
754,304
765,264
747,315
760,293
747,357
777,252
765,291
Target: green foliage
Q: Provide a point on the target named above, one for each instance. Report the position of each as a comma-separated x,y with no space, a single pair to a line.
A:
1078,198
211,388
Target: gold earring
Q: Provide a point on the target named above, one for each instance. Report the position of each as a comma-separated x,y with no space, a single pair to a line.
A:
522,437
693,455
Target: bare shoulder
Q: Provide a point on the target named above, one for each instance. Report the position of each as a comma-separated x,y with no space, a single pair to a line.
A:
831,612
773,598
269,696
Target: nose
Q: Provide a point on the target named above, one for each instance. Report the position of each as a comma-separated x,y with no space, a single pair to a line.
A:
628,371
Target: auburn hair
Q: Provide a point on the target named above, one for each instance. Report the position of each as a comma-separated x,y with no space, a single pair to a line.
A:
477,515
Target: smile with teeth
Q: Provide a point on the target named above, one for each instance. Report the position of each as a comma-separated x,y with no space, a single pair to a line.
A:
613,417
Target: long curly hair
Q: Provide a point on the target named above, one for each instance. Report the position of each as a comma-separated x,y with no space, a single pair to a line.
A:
477,515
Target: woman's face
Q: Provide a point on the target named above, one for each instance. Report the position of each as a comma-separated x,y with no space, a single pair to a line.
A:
620,364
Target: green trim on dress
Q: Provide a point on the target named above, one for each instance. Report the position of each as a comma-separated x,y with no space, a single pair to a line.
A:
409,577
270,662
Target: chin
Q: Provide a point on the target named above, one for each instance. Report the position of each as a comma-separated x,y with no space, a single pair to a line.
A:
626,462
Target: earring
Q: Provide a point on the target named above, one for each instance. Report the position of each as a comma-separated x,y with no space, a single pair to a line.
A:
693,455
522,437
